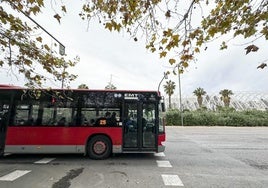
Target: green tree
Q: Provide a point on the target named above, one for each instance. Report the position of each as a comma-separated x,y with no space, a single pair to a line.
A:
82,86
167,25
225,96
169,88
110,86
199,92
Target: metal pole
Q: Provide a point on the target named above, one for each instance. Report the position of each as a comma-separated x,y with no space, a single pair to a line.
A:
110,83
63,78
179,78
61,46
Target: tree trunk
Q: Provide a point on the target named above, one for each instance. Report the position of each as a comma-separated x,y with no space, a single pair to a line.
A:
169,101
200,101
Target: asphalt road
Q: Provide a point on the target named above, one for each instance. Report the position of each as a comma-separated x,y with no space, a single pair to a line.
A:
194,157
219,156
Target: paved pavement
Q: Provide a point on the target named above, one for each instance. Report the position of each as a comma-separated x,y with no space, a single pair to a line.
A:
219,156
194,157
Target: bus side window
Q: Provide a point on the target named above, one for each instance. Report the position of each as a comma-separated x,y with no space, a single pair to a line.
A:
92,122
62,121
38,121
29,122
3,122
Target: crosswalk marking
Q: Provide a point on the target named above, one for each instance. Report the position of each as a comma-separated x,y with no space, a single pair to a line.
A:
14,175
164,164
159,154
44,161
172,180
169,180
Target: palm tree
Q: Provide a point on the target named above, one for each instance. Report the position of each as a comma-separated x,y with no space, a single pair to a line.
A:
82,86
199,92
225,96
169,89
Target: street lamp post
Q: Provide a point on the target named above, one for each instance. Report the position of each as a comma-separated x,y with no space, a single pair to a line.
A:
164,77
61,46
63,76
179,78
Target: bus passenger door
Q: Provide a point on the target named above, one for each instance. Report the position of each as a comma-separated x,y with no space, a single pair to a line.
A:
139,127
149,138
3,129
4,119
130,126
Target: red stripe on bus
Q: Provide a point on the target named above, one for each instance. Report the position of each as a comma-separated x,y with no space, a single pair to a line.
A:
59,135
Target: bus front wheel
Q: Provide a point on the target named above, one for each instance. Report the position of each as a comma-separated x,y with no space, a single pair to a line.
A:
99,147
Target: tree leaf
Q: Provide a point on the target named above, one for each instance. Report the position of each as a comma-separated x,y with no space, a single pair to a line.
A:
172,61
163,54
39,39
109,26
46,47
63,8
167,14
40,3
57,16
164,40
185,64
251,48
262,66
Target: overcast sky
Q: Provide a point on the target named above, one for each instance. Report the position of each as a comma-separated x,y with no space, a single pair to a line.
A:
105,55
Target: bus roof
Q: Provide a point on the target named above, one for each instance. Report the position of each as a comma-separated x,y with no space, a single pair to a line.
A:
10,87
5,86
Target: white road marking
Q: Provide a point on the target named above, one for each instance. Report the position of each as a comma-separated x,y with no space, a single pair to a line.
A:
14,175
164,164
7,154
159,154
44,161
172,180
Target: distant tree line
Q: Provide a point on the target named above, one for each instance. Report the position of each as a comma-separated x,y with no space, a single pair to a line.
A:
199,92
223,116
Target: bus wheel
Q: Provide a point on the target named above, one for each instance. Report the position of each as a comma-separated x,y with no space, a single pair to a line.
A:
99,147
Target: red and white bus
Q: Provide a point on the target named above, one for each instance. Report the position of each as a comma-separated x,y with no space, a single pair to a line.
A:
92,122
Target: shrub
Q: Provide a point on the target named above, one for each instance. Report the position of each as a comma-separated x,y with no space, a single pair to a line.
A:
172,117
222,117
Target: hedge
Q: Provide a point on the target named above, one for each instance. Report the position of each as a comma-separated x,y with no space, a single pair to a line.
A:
218,118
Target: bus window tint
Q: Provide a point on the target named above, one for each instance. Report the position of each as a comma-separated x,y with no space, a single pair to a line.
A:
148,124
161,119
25,114
149,115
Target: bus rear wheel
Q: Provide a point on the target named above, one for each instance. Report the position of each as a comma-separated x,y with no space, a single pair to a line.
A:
99,147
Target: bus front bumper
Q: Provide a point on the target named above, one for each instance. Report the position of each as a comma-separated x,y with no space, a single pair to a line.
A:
161,148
